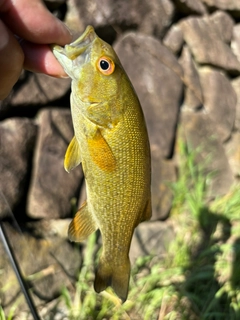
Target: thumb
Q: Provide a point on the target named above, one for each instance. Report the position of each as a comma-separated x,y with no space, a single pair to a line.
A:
11,61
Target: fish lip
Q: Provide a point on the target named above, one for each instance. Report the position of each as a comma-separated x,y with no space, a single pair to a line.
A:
86,38
79,46
72,56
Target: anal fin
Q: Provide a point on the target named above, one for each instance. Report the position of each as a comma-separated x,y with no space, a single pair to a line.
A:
72,155
82,225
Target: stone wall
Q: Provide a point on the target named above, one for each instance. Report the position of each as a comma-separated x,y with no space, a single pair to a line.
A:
183,58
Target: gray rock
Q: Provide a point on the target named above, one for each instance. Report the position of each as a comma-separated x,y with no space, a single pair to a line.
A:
16,148
151,238
199,132
52,188
173,39
147,16
236,87
219,100
228,5
206,44
156,76
190,6
44,261
223,23
163,174
157,15
73,20
38,89
235,44
232,149
193,97
45,228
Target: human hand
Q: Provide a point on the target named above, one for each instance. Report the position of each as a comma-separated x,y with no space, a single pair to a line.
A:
34,27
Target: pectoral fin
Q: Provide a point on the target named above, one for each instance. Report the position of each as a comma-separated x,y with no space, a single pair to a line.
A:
72,155
101,153
82,225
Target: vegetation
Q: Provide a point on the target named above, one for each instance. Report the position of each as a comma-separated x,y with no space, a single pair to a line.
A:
199,276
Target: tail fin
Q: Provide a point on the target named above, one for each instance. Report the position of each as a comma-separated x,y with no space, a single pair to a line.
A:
116,277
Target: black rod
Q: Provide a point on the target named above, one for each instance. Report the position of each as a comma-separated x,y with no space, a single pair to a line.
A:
16,268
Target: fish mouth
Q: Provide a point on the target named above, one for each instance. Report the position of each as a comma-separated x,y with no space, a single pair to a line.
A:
73,55
79,46
82,43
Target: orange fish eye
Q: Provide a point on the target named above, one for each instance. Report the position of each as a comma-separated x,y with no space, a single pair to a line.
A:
105,65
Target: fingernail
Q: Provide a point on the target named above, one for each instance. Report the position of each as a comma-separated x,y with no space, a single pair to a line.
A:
64,77
68,29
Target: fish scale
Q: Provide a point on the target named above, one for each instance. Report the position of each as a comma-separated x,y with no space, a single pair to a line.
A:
111,142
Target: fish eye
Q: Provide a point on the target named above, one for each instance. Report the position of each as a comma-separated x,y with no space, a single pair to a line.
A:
106,65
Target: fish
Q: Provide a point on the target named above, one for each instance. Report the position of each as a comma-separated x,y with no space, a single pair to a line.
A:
111,143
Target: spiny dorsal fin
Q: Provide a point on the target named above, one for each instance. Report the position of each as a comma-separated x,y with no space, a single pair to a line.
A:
72,155
82,225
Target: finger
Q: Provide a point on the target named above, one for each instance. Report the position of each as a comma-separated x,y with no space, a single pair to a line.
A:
32,21
11,61
39,58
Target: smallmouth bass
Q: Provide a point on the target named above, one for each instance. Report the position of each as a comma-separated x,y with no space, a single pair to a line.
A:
111,143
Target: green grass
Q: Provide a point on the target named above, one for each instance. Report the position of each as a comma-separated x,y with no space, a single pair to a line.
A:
199,276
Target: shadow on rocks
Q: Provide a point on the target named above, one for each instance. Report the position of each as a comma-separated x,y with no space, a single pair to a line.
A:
203,283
